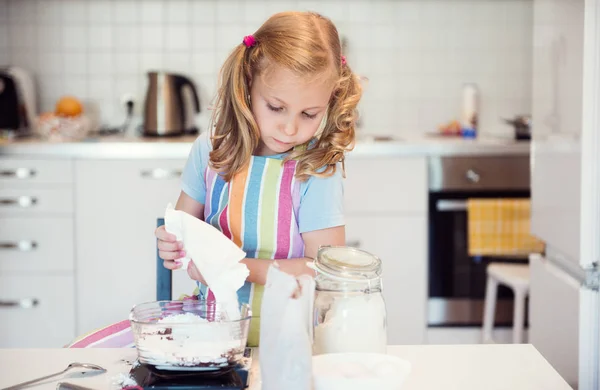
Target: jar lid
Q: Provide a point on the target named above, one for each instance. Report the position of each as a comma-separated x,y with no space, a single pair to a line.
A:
347,263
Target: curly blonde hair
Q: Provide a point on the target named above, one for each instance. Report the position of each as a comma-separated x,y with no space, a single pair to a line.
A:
309,45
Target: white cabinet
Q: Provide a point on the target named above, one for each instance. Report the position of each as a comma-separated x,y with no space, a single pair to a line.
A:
554,316
117,204
37,311
386,214
557,116
401,244
37,296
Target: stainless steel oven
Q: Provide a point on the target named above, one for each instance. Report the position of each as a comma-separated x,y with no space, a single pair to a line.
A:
457,280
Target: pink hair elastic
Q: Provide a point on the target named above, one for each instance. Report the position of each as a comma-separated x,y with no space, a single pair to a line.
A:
249,40
343,60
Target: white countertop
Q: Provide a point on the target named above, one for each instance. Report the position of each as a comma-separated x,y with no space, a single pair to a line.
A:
448,367
132,147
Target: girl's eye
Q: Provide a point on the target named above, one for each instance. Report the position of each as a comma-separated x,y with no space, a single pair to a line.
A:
273,108
309,116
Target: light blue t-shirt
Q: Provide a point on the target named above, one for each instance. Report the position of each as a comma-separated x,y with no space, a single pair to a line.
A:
321,199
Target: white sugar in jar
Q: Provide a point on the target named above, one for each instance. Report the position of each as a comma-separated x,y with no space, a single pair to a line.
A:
350,314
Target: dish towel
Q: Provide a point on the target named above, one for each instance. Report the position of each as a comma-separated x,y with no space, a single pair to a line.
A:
215,255
501,227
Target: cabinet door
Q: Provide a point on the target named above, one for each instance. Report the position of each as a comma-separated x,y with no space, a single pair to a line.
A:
401,244
554,316
556,181
117,204
49,322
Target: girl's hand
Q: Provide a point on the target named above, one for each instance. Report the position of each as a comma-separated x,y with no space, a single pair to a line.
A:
169,249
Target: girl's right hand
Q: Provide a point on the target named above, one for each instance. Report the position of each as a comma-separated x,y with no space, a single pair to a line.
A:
169,249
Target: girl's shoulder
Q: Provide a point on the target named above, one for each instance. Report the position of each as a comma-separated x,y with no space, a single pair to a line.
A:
201,148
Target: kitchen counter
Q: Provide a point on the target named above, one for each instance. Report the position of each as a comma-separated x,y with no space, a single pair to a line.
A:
464,367
131,147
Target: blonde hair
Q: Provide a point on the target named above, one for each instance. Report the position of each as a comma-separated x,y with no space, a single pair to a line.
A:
307,44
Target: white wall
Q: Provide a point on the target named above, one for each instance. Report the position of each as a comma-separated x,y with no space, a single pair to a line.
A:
416,54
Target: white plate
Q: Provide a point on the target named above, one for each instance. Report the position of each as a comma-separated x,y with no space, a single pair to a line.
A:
358,371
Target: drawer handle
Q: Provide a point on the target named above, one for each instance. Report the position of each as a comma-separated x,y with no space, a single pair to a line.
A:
22,245
161,173
353,244
19,173
22,201
25,303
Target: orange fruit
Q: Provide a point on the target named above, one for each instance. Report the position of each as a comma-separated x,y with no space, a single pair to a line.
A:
68,106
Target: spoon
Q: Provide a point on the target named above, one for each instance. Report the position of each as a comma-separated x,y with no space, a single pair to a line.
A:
69,367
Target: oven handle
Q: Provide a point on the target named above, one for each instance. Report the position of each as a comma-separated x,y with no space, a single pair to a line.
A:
451,205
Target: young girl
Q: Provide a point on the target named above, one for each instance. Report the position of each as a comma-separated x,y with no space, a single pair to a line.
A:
270,176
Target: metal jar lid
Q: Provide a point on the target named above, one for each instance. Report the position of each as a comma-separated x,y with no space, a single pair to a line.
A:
347,263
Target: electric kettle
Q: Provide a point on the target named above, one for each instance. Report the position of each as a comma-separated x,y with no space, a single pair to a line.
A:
170,106
18,110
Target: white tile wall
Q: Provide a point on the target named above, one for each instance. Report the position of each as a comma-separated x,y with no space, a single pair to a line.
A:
415,53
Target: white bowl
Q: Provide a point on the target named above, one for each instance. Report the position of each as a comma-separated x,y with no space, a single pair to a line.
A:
359,371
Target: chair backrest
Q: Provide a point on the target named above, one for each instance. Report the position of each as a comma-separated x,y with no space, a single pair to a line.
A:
164,277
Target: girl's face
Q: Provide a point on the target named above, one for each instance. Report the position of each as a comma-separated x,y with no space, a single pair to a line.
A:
287,109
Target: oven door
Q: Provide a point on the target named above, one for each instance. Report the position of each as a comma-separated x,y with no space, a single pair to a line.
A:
456,280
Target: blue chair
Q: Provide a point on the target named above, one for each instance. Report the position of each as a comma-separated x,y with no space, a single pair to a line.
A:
164,279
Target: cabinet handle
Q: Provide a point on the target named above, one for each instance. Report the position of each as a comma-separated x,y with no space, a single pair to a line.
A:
22,245
22,201
161,173
353,244
19,173
25,303
451,205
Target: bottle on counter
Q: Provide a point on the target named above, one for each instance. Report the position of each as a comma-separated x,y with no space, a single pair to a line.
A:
470,110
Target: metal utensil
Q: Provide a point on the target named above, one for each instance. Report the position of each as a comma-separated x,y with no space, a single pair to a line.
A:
70,386
69,367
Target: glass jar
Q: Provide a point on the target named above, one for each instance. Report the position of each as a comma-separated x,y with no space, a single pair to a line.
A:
349,310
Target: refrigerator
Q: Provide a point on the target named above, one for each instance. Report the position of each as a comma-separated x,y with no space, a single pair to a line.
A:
564,303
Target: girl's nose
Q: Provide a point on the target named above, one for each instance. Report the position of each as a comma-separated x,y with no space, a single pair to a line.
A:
290,128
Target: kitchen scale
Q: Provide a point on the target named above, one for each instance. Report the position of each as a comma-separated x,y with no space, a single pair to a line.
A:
150,377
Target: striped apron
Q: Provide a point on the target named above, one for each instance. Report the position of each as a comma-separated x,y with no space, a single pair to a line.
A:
258,211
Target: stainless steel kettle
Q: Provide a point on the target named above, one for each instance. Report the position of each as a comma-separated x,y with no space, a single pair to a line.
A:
170,106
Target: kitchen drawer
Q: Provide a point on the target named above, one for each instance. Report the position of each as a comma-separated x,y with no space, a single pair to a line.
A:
33,201
48,324
36,244
14,171
384,185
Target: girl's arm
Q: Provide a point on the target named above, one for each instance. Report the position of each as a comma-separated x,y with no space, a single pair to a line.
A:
335,236
258,268
190,205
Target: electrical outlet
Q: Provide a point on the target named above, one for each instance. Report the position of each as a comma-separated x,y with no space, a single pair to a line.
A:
127,98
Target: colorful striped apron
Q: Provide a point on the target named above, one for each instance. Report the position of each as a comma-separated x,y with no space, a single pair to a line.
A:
258,211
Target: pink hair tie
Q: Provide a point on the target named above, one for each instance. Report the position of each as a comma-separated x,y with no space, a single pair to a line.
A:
249,40
343,60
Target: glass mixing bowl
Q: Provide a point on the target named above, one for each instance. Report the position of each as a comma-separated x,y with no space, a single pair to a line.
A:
190,335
